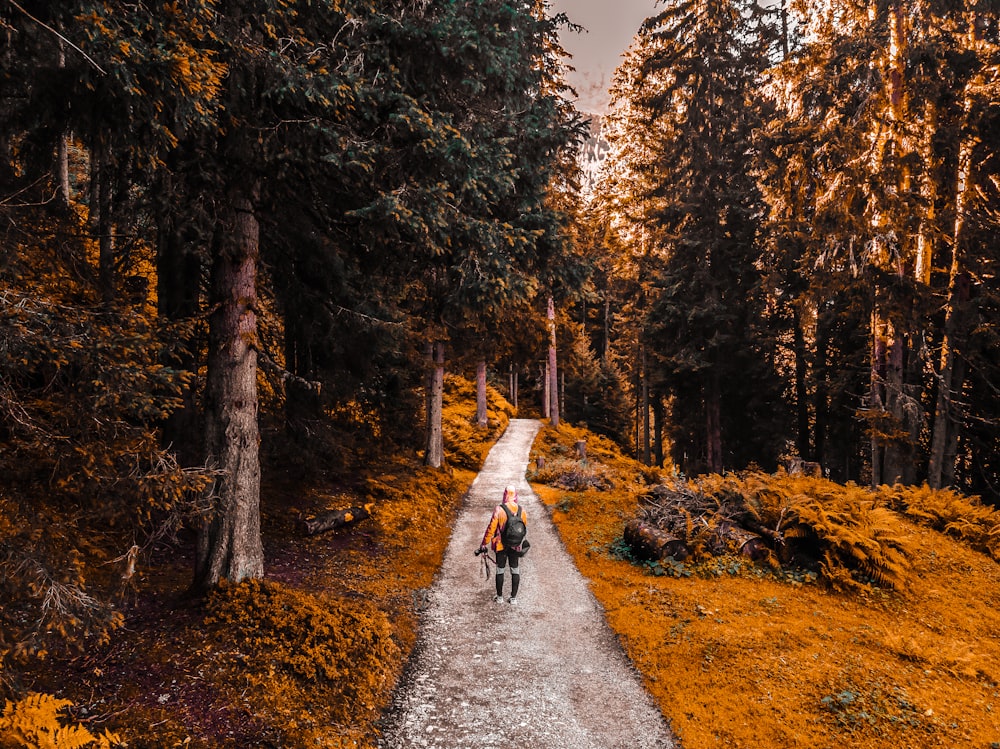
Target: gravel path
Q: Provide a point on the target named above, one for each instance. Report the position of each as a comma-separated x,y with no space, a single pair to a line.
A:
546,674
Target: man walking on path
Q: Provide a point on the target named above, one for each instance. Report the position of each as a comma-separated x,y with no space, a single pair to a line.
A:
547,674
507,515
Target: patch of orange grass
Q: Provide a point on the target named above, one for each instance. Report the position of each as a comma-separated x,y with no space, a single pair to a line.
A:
754,661
413,509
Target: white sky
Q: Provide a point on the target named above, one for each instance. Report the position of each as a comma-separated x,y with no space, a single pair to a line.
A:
610,26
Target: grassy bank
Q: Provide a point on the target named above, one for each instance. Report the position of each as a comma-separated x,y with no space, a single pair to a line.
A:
742,654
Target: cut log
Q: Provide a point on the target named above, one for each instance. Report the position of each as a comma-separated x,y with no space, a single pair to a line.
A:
650,543
334,519
730,538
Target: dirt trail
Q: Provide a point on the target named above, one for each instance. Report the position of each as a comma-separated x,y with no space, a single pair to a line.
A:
546,674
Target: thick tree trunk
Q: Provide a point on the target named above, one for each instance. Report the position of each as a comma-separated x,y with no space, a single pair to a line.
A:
481,418
229,541
553,372
434,449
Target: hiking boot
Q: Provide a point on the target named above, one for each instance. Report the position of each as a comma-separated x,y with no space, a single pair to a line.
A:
513,601
497,599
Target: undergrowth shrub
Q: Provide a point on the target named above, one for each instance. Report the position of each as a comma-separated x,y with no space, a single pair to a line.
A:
466,443
37,722
573,475
343,649
842,532
947,511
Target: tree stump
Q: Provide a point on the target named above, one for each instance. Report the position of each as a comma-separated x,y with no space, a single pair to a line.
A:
581,449
539,463
334,519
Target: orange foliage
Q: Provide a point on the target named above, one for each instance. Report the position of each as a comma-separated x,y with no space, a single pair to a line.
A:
466,443
309,656
36,722
739,657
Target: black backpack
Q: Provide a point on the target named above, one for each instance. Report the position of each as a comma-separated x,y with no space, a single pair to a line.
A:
514,530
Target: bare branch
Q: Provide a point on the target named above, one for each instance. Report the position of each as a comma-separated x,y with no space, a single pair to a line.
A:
87,57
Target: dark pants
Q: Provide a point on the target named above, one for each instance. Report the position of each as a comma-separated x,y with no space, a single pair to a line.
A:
515,574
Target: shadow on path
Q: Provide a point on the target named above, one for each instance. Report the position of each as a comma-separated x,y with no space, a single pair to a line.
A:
546,674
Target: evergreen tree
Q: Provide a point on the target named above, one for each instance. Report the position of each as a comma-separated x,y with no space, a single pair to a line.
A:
708,337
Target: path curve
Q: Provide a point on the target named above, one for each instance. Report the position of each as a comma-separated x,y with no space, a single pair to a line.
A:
546,674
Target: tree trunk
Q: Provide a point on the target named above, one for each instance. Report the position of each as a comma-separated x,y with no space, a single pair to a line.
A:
713,424
658,431
553,372
546,386
62,155
481,418
644,375
62,158
928,194
955,427
607,330
876,402
101,220
820,396
896,455
945,431
229,541
434,449
802,442
945,422
178,277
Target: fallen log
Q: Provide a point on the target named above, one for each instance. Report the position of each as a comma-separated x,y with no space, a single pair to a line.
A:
650,543
334,519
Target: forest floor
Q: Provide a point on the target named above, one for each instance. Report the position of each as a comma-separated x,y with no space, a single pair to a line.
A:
740,658
732,655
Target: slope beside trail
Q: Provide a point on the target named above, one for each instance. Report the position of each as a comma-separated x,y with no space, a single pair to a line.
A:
546,674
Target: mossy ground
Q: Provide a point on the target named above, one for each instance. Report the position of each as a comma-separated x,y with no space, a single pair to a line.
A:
739,657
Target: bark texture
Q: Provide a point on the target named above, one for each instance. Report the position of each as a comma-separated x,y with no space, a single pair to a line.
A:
552,373
434,449
481,418
229,542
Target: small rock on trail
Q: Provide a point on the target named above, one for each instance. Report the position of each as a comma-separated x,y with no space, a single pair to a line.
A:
546,674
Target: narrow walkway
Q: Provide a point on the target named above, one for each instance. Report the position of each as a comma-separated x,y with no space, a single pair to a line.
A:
547,674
